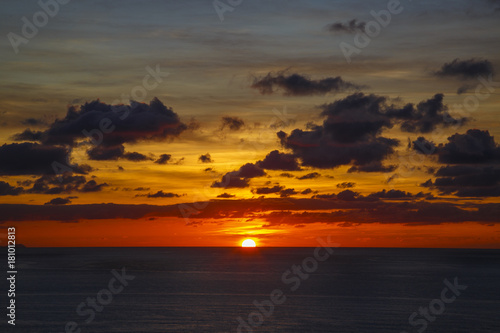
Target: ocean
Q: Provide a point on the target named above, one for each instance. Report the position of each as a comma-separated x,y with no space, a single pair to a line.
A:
255,290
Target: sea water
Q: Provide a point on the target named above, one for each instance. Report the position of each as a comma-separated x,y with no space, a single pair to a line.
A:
255,290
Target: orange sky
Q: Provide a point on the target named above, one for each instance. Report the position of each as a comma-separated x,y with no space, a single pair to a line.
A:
161,232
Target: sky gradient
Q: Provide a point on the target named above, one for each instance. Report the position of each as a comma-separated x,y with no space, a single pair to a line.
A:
166,123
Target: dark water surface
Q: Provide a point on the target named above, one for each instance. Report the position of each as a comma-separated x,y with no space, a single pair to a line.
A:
207,289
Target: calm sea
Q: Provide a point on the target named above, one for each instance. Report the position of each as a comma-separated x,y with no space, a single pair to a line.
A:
259,290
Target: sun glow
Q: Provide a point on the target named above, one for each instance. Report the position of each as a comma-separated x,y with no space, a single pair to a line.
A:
248,243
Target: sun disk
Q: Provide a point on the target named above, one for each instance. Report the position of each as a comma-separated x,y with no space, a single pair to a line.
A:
248,243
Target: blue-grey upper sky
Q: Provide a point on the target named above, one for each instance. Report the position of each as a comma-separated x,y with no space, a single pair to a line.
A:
99,49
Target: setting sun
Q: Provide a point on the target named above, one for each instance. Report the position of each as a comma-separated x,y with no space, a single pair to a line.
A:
248,243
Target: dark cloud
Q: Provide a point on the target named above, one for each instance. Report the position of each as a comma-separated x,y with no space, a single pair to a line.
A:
108,127
140,188
474,147
241,177
391,178
466,69
92,186
311,175
193,124
372,167
467,181
274,210
426,116
205,158
233,123
250,170
348,135
423,146
317,149
346,185
416,213
229,181
7,189
457,170
58,201
351,27
160,194
279,161
464,88
299,85
179,161
359,115
286,174
72,213
351,132
391,194
112,125
35,159
346,195
473,168
287,192
268,190
325,196
355,117
163,159
63,183
307,191
349,195
28,135
56,184
226,195
34,122
102,153
427,183
430,170
136,157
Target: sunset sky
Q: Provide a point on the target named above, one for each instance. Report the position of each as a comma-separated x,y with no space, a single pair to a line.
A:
199,123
